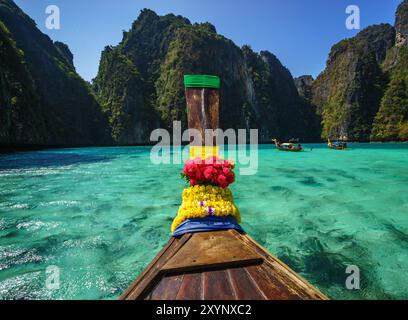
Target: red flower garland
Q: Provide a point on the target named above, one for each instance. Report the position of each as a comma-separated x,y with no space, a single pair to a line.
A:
211,171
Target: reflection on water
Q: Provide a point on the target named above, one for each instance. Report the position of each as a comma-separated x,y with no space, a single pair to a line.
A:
101,215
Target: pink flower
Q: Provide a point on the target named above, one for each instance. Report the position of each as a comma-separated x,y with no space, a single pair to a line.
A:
221,179
208,173
213,171
231,178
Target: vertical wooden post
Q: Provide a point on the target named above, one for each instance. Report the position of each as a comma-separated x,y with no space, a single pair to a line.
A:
203,100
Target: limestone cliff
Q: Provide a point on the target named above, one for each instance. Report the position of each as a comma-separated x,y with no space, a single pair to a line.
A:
304,85
349,91
140,81
391,121
62,110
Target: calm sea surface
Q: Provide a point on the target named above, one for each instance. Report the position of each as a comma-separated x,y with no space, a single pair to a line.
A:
101,214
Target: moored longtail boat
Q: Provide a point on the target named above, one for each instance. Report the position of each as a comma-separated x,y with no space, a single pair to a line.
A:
287,146
337,145
209,256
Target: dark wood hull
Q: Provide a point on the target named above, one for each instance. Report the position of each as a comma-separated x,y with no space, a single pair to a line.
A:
225,265
337,148
290,150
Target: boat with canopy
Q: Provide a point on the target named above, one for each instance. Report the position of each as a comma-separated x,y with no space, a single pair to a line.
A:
288,146
337,145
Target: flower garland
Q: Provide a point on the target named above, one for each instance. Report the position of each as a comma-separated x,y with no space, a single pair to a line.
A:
204,201
211,171
208,194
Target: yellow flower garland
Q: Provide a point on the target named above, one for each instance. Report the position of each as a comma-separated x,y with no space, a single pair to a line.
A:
202,201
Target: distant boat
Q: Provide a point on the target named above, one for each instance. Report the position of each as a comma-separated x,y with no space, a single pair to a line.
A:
288,146
337,145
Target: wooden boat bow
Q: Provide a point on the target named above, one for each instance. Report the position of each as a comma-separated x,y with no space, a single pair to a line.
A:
213,265
218,265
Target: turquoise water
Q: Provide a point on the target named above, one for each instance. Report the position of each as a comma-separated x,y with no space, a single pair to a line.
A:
101,214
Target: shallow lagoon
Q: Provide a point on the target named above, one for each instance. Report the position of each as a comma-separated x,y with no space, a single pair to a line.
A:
101,215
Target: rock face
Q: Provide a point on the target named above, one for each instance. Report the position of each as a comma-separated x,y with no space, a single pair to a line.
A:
63,49
140,81
401,24
47,103
391,121
349,91
363,92
20,112
304,86
279,110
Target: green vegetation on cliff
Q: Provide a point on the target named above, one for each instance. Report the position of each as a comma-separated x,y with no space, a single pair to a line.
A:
156,52
401,24
140,82
70,114
198,49
349,91
120,88
362,93
280,111
20,112
391,122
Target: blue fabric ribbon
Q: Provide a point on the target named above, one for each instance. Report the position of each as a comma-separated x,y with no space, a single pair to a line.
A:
211,223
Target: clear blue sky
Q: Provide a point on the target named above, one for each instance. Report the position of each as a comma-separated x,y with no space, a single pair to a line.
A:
299,32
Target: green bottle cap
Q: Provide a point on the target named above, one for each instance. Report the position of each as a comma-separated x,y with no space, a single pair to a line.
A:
202,81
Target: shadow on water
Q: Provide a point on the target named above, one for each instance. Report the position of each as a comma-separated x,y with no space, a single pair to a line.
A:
45,159
398,234
327,269
310,181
